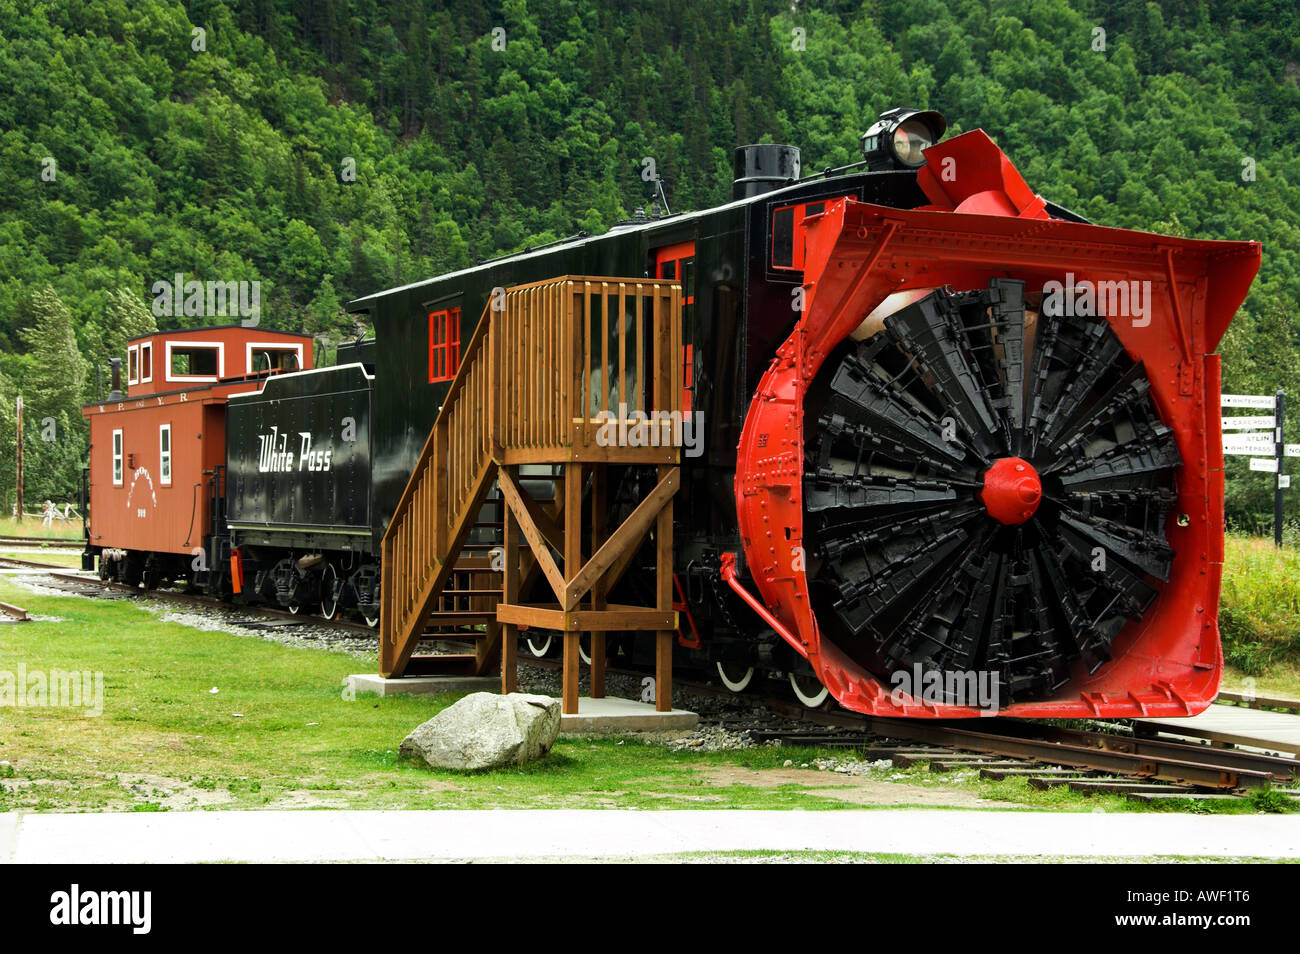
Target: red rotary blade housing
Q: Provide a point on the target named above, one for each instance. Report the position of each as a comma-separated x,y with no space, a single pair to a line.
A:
985,224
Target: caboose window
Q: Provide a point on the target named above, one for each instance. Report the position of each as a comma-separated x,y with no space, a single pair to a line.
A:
444,344
165,454
275,359
194,361
146,363
133,365
117,458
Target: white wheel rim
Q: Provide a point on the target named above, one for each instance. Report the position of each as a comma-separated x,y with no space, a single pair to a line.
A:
372,622
537,645
328,604
735,685
584,654
294,608
813,701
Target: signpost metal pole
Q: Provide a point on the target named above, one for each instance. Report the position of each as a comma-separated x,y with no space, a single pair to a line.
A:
1278,451
18,507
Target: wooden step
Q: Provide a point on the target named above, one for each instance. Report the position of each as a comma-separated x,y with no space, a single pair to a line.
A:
459,664
460,616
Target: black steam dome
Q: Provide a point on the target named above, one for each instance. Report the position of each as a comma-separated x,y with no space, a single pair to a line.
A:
762,168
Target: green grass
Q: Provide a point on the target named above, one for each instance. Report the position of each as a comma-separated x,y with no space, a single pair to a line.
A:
68,558
884,858
279,733
32,528
1259,611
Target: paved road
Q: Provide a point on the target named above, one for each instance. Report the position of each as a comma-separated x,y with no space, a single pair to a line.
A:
272,836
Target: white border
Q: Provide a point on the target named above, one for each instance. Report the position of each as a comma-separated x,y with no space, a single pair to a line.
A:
204,378
270,346
143,346
293,374
165,473
133,352
119,458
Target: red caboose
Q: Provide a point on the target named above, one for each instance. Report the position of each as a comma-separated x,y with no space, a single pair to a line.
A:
157,453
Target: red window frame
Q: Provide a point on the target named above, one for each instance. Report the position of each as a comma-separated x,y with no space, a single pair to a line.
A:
444,344
670,262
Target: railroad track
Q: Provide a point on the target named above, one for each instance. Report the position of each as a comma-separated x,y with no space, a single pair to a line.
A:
13,614
1124,759
198,600
53,544
1147,769
15,562
1252,701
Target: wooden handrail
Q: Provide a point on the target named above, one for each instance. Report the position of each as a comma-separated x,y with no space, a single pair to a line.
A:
533,379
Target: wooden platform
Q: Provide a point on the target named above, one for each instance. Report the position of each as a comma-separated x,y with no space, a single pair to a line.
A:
547,371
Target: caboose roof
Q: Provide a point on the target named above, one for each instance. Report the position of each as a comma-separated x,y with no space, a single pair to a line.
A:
202,329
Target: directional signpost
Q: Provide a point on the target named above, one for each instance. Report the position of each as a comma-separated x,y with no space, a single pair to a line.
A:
1259,437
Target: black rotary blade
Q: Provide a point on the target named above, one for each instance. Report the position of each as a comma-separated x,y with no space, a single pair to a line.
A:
910,573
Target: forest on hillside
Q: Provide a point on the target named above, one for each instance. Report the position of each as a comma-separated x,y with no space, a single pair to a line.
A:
328,150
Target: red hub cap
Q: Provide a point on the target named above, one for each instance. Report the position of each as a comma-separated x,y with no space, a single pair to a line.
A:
1012,490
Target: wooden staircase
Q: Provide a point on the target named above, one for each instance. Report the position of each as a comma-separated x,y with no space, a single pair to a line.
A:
544,380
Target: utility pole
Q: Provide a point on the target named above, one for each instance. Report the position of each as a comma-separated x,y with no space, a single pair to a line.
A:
18,517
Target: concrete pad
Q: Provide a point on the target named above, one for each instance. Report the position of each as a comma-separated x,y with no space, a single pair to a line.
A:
610,715
1235,723
8,836
447,834
420,685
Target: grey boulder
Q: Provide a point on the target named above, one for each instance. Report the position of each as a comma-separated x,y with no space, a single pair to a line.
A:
484,731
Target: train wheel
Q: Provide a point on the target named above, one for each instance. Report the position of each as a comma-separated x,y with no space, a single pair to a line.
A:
808,689
734,677
584,648
539,642
294,607
152,576
132,569
329,599
371,621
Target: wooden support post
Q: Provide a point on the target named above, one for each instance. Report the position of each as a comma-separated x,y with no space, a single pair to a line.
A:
510,595
572,561
598,590
569,679
664,602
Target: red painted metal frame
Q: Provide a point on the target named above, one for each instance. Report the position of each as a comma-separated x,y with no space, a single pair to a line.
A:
985,223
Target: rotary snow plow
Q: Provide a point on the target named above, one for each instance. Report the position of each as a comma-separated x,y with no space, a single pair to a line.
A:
989,455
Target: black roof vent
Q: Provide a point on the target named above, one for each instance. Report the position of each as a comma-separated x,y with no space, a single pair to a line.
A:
762,168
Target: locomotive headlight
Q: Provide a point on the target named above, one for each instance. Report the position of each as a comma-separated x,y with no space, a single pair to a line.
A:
899,137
